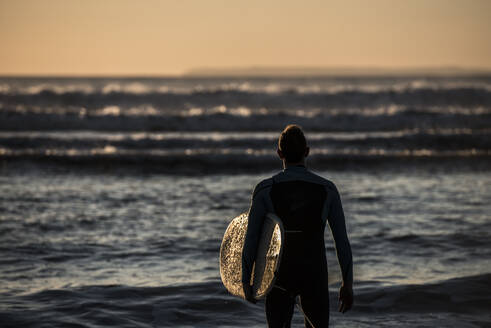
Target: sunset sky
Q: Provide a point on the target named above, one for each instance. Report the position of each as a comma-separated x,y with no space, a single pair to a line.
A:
123,37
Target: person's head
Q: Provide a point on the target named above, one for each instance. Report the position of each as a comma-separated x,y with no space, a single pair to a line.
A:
292,145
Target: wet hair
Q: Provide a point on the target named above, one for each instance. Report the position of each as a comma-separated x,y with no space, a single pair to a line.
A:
292,143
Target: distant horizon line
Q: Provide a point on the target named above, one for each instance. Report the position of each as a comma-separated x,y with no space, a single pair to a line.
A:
278,71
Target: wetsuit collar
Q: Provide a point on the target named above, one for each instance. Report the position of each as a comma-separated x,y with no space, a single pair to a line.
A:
295,168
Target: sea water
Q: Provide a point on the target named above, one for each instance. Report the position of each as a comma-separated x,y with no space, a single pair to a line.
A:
115,194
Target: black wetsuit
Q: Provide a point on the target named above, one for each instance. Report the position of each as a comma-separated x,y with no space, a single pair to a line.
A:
304,202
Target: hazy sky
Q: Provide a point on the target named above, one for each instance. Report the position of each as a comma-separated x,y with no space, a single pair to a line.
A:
87,37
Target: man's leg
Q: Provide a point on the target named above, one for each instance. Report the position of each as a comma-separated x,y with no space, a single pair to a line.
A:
315,307
279,308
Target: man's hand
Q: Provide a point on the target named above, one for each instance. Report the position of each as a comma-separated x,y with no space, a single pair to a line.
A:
345,298
248,293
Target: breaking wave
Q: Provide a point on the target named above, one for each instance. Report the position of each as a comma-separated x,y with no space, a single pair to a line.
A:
463,96
404,119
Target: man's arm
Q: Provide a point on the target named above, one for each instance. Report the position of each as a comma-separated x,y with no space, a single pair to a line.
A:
257,212
343,248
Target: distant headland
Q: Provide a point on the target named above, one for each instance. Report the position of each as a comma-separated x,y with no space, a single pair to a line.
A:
288,71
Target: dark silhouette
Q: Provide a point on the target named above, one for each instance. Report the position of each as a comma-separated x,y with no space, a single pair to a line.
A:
304,202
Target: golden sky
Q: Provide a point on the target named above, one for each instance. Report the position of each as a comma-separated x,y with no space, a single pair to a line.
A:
131,37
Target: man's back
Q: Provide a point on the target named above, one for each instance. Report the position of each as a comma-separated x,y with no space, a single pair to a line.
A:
299,205
304,202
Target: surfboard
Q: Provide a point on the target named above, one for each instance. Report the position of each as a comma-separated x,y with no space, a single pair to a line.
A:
267,261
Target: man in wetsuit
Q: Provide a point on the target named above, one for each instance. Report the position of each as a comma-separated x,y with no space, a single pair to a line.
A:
304,202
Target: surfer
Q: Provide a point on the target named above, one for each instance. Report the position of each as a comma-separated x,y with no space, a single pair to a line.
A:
304,202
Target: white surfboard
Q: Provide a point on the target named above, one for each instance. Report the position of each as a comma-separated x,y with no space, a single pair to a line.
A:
267,261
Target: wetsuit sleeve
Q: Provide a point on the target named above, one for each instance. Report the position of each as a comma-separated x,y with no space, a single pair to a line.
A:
338,229
257,212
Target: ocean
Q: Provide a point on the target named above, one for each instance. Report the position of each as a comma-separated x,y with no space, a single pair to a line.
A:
115,194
